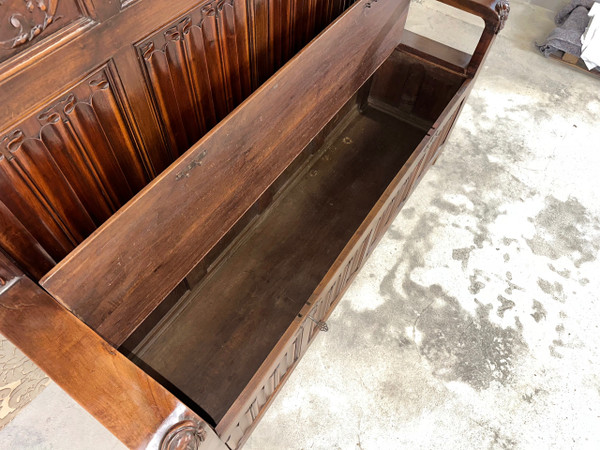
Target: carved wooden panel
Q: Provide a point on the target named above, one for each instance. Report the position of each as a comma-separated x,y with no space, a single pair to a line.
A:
198,70
283,27
298,345
249,415
66,169
201,66
25,22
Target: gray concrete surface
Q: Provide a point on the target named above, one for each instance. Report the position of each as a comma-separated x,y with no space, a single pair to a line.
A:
475,323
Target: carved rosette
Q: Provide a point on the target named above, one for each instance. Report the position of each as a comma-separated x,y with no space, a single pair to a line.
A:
185,435
503,10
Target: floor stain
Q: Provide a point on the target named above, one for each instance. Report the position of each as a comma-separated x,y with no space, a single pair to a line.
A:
511,286
460,347
497,439
554,290
539,312
476,285
462,255
532,394
564,228
563,273
505,305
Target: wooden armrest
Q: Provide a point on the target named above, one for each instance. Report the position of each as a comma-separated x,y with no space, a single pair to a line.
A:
493,12
130,404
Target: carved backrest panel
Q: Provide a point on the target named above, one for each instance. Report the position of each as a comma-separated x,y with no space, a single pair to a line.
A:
200,67
67,164
66,169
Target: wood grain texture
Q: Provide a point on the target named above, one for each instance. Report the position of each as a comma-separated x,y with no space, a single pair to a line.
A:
199,70
245,153
413,88
107,141
67,168
244,414
283,27
262,284
129,403
435,52
205,63
16,240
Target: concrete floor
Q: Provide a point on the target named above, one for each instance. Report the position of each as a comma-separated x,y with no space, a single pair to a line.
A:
475,323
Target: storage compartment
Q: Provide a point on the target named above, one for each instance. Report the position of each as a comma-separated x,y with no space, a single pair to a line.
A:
211,336
215,277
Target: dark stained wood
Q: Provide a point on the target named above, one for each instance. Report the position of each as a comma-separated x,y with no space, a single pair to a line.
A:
18,242
236,235
413,88
238,156
115,127
25,25
434,52
130,404
243,416
258,205
257,291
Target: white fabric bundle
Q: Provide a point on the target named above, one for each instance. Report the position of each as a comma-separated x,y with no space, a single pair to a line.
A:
590,40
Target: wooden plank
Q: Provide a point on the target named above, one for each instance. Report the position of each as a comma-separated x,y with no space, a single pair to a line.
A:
130,404
152,243
570,59
574,62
